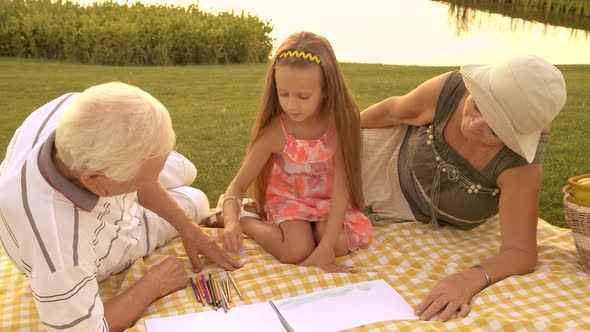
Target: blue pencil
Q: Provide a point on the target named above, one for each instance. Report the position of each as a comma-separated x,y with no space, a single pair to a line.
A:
222,297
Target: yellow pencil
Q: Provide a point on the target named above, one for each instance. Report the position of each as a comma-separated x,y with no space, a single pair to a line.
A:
224,284
235,286
216,290
227,285
227,300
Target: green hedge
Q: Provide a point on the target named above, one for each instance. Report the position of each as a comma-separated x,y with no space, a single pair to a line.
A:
114,34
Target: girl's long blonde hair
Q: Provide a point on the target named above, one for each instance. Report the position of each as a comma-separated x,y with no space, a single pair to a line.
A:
338,100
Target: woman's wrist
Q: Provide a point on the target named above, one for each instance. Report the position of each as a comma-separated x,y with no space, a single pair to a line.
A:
486,275
478,278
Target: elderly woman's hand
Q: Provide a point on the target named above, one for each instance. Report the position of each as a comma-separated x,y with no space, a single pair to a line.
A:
196,242
451,295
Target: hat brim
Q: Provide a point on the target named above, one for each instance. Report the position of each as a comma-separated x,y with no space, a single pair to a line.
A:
477,82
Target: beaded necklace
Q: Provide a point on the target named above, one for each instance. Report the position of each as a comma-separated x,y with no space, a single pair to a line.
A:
454,175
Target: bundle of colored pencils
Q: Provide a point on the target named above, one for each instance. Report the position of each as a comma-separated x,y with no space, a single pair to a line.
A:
216,292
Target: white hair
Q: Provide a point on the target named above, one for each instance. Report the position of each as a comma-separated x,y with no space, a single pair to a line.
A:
113,128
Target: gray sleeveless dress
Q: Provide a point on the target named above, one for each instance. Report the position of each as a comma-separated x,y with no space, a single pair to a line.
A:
432,182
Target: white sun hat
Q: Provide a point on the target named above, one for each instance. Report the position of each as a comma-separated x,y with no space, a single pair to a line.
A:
517,98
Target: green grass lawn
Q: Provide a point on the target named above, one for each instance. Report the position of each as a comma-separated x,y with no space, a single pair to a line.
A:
213,107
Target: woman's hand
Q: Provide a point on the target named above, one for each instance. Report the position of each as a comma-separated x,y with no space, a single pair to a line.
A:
452,295
325,258
232,237
196,242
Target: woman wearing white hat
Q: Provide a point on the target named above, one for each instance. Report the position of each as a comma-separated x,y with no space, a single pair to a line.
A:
459,149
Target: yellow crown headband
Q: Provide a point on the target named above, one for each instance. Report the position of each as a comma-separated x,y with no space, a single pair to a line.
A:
300,54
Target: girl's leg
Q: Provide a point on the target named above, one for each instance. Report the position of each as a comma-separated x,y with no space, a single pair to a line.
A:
290,242
341,243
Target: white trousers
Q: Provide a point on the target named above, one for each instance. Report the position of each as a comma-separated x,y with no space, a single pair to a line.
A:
178,174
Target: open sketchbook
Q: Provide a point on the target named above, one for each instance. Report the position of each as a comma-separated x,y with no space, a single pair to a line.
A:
329,310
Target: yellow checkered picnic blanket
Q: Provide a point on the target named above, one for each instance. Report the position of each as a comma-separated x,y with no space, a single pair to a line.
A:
553,298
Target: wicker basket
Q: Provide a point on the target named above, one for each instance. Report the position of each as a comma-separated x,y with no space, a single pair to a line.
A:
577,217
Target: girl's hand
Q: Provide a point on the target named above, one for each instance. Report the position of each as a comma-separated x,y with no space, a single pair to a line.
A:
325,258
232,237
451,295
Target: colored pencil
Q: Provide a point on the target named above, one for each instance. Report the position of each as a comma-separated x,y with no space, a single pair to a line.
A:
221,283
227,288
215,290
200,290
231,297
224,296
214,301
235,286
221,298
195,290
206,289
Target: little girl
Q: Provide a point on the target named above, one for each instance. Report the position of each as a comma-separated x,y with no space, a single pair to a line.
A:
303,162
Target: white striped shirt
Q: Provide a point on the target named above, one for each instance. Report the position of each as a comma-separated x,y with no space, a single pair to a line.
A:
64,238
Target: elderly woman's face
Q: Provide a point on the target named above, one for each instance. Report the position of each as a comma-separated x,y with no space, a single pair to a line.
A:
474,126
148,173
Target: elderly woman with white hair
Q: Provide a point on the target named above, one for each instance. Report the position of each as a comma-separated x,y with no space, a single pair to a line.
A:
89,184
459,149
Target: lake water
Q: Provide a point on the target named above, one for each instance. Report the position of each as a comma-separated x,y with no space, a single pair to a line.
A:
408,32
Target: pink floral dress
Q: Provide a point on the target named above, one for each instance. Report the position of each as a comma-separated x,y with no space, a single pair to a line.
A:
301,183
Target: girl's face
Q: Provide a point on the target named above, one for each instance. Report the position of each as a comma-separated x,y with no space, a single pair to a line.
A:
300,91
474,126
